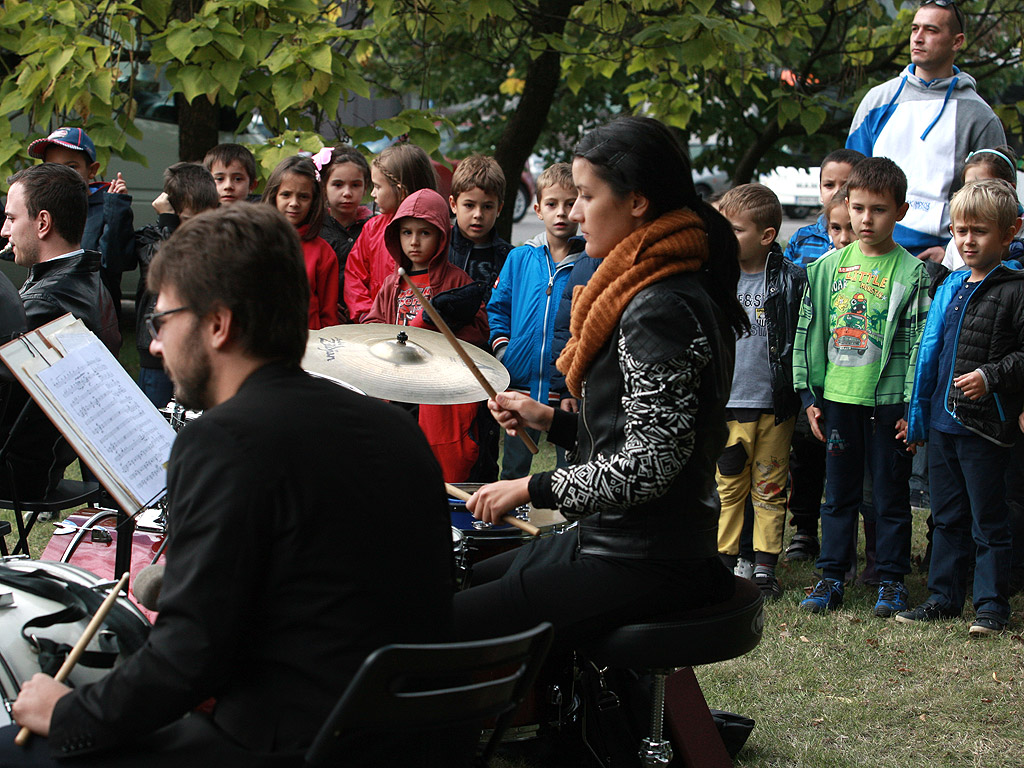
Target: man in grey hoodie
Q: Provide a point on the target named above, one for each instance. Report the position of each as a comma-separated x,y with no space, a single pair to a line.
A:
927,120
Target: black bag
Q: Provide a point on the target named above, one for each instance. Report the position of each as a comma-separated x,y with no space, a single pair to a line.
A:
734,730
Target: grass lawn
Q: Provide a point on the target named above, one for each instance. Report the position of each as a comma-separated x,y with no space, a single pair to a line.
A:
849,689
846,690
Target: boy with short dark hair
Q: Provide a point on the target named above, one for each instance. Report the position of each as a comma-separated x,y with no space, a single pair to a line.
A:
762,406
807,461
110,226
968,392
477,196
811,242
860,323
525,301
234,171
189,189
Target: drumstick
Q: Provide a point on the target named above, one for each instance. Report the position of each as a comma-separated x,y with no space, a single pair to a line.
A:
443,327
530,528
69,663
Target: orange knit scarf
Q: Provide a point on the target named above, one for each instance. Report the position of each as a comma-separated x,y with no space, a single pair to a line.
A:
675,242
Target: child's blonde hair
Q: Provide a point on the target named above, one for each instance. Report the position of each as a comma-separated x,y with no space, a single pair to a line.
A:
988,200
479,171
757,201
557,175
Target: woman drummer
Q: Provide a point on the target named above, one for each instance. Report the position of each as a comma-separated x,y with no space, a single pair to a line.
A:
650,359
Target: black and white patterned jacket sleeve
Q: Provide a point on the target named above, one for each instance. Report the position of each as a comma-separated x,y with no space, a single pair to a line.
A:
660,404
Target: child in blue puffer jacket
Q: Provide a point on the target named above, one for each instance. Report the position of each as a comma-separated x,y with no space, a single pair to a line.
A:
967,397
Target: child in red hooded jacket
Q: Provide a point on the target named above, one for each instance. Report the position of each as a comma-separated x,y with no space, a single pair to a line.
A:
417,239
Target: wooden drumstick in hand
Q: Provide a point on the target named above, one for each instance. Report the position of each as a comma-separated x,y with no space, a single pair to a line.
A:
523,525
69,663
443,327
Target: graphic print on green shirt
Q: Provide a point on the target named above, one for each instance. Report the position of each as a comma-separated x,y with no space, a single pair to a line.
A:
858,313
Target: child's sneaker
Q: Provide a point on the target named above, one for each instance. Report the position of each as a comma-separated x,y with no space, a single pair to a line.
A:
769,586
827,595
803,546
984,626
744,569
892,598
927,611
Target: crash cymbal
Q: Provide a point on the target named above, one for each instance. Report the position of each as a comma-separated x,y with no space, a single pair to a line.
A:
397,362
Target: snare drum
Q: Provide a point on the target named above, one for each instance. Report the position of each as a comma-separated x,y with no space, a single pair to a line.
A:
18,659
483,540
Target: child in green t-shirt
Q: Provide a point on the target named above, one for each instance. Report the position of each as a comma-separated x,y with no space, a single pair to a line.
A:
860,323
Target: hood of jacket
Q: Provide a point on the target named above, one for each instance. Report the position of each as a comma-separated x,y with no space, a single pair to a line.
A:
577,243
428,205
958,81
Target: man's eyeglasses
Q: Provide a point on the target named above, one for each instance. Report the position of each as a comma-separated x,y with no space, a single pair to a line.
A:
949,4
155,320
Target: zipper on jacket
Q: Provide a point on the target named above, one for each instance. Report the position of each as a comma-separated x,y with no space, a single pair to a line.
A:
583,416
885,363
956,345
543,362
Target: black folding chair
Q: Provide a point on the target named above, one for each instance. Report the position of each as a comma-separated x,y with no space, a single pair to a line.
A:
66,495
404,693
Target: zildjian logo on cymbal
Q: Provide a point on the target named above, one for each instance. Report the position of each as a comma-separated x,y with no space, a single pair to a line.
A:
329,346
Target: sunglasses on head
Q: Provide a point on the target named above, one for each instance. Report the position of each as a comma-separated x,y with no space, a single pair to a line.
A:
948,4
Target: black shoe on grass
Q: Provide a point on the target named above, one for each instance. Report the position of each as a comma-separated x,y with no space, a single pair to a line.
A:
926,611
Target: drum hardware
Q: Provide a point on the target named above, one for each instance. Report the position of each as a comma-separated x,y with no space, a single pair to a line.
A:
100,536
177,415
521,512
89,526
400,363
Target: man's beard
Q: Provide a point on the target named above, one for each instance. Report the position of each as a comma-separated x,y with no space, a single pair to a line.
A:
26,255
192,377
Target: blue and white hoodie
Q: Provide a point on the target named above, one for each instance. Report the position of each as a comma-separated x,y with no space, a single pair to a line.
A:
928,129
522,309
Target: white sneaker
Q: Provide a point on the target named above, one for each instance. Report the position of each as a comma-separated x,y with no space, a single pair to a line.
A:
744,569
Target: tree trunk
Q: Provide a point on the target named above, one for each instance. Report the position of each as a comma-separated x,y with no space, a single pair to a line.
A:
531,114
197,122
752,155
197,126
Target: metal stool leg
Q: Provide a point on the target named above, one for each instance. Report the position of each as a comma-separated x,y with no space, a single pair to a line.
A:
655,750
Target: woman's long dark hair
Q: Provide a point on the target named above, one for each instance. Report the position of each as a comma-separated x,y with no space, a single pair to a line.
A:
639,154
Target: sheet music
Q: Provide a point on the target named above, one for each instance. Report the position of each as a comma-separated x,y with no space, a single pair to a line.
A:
70,341
113,414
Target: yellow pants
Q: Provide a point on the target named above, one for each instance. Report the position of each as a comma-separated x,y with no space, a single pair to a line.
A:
755,462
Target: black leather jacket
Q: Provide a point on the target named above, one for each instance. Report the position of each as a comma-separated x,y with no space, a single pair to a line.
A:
72,284
784,286
991,339
671,320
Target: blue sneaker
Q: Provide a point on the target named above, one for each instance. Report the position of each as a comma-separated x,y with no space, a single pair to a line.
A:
892,598
827,595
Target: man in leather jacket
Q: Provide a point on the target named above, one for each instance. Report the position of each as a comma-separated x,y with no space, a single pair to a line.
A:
45,215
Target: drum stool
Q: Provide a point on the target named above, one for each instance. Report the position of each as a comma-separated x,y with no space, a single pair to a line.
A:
684,639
